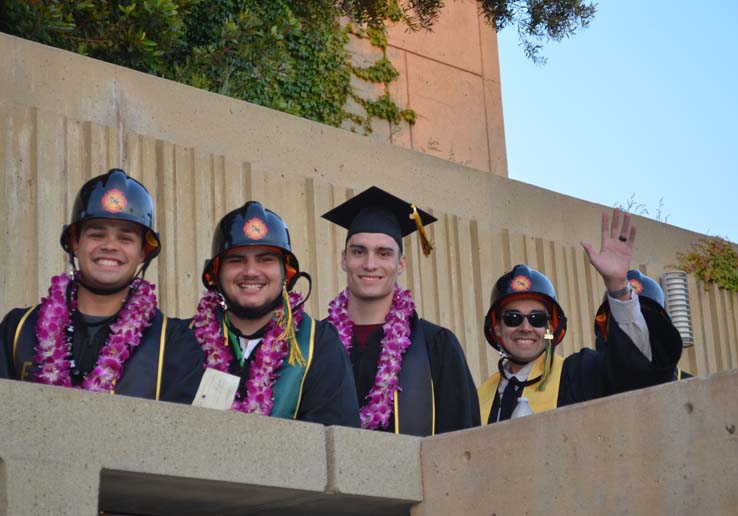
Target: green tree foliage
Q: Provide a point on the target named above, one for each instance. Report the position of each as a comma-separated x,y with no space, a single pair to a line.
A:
713,260
281,54
139,34
537,21
284,54
271,53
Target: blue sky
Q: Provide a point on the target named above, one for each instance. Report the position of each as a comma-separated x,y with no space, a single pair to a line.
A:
644,102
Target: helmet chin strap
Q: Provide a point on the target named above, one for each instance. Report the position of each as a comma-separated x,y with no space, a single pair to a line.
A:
107,291
291,285
250,313
257,313
505,375
505,354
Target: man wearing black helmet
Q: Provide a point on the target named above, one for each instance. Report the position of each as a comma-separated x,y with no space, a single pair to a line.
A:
252,326
650,294
525,323
99,328
411,375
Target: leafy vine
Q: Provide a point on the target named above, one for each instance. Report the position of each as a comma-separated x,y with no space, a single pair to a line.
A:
713,260
381,72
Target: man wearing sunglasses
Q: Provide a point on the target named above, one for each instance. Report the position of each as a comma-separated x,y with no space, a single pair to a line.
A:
525,323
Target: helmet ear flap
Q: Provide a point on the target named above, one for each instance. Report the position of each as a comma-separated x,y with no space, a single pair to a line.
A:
489,327
291,269
290,276
68,237
210,273
151,244
560,330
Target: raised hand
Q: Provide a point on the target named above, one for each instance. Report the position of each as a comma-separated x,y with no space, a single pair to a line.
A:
616,250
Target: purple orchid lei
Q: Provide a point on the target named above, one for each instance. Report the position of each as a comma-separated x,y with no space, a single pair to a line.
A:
53,351
268,358
379,406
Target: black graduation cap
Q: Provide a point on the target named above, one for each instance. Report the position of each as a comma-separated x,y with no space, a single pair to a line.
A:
377,211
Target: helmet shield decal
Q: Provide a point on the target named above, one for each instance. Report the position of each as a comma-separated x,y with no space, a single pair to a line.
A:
255,229
637,286
521,283
114,201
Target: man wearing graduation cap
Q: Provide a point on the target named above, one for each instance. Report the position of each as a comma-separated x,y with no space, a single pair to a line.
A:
99,328
526,322
252,326
411,375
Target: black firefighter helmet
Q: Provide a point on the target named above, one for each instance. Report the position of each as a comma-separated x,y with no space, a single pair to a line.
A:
250,225
526,283
650,294
113,196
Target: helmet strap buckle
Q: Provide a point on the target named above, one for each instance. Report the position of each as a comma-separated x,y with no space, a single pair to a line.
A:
221,300
548,335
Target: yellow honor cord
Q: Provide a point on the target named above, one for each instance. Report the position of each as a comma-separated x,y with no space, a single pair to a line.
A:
548,360
287,321
425,241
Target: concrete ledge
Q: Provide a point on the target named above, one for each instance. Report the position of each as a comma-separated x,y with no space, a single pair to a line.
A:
374,467
671,449
67,452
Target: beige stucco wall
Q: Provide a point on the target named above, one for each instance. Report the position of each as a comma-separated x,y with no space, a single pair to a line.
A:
65,118
451,77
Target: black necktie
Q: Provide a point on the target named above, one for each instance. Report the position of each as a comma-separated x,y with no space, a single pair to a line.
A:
510,398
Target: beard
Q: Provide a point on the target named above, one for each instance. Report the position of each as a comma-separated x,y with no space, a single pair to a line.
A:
252,312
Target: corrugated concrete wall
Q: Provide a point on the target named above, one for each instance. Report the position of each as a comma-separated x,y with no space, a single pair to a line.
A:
65,118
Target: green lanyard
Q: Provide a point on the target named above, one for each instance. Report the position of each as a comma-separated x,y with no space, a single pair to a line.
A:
233,339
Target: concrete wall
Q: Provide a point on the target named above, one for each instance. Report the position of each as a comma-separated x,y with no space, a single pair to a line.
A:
65,118
66,452
671,450
451,77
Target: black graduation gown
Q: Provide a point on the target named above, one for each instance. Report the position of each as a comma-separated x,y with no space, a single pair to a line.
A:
620,366
181,369
454,393
328,392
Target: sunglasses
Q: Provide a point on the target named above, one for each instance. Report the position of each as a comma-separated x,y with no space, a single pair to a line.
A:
535,319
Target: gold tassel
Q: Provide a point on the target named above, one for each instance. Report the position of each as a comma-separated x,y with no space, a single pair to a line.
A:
548,360
425,241
287,322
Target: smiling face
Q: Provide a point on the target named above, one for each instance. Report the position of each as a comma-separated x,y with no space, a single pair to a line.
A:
109,252
524,343
251,279
372,262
